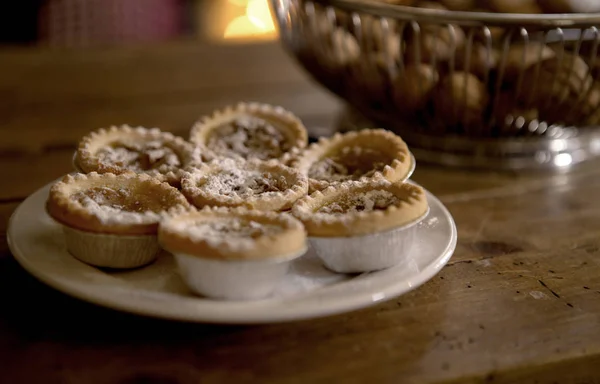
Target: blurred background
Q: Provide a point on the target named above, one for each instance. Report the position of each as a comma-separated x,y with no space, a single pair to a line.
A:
85,23
480,94
70,66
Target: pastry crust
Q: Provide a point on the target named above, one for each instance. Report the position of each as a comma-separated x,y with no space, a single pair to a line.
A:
126,204
273,132
343,157
254,184
232,234
142,150
361,208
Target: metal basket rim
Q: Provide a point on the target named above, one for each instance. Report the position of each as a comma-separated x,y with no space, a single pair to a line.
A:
408,13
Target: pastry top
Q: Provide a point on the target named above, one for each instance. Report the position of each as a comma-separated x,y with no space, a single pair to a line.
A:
250,131
235,234
361,208
253,184
126,204
142,150
362,155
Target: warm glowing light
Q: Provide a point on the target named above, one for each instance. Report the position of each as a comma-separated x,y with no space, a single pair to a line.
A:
258,11
255,23
242,26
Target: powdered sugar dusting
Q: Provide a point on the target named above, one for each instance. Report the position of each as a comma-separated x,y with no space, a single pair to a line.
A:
350,163
236,232
365,202
231,180
115,205
249,137
140,155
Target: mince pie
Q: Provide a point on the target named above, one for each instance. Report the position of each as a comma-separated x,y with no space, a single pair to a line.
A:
232,253
254,184
360,227
151,151
360,208
250,131
111,220
368,154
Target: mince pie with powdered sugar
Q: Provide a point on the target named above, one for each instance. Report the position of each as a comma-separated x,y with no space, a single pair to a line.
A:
112,220
127,204
254,184
365,155
234,234
243,166
361,208
151,151
232,253
250,131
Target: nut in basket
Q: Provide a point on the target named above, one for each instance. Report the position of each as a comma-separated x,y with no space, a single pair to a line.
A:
432,68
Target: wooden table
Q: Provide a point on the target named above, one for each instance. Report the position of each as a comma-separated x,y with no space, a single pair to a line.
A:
518,303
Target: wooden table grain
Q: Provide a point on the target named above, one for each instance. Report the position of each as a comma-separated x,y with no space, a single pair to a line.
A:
518,303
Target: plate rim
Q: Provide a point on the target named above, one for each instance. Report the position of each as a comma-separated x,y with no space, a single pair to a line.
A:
148,308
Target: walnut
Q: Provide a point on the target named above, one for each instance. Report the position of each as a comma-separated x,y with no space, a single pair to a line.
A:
570,6
371,78
431,5
459,5
399,2
439,43
495,33
337,50
592,108
560,77
412,87
594,68
516,6
380,38
342,18
521,57
318,25
482,61
587,110
433,40
556,89
461,99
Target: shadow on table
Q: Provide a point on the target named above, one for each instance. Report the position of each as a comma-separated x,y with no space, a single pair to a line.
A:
36,311
46,334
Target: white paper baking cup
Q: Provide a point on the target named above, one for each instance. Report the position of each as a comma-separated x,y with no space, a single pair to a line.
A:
111,251
233,280
357,254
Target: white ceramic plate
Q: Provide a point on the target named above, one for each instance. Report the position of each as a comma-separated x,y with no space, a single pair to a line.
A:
308,291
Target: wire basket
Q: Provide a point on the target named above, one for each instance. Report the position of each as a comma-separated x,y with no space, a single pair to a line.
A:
487,89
